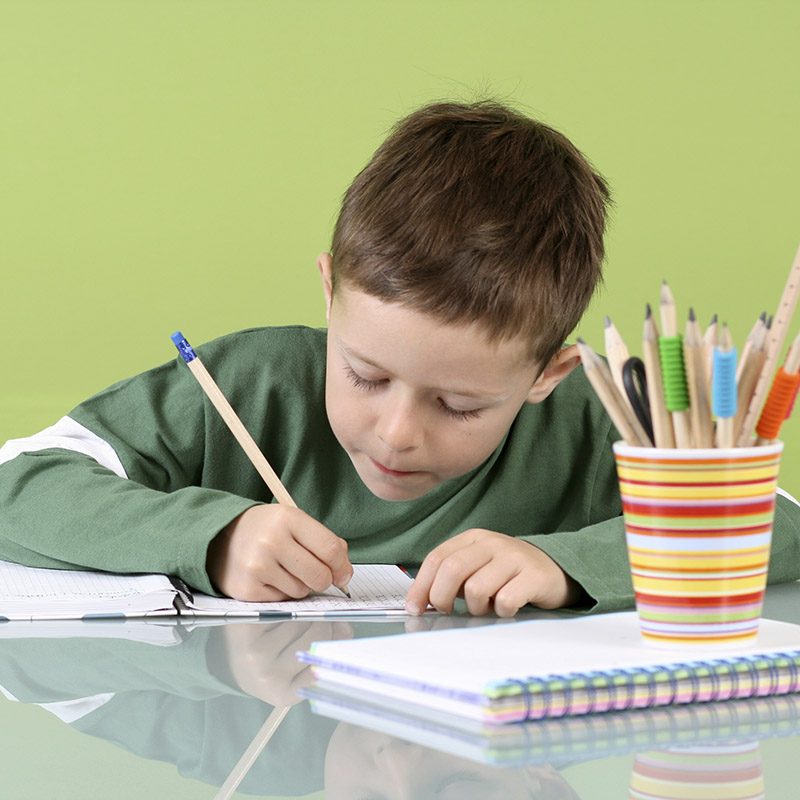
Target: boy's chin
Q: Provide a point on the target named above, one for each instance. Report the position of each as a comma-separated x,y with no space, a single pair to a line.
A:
395,493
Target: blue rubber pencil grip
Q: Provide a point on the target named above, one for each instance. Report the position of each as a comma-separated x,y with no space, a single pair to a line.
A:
184,348
723,384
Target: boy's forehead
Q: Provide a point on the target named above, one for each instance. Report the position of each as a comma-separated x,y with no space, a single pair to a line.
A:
394,336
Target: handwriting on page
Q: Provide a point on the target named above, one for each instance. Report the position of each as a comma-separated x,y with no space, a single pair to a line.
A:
27,583
374,587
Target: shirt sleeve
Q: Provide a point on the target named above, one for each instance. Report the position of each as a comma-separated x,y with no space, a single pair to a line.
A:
595,556
120,485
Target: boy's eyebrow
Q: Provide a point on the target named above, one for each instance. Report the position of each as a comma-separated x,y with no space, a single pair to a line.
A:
488,397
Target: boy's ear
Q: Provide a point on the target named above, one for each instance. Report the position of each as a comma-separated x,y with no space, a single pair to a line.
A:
561,364
325,267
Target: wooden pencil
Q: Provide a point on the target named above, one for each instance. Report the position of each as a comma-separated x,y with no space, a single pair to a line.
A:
617,354
750,366
697,382
709,343
781,397
236,426
662,420
755,333
681,421
599,375
725,422
777,335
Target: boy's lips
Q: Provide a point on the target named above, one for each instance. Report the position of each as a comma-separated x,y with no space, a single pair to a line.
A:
398,473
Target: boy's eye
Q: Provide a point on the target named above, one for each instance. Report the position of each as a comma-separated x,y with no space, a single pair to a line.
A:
358,381
456,414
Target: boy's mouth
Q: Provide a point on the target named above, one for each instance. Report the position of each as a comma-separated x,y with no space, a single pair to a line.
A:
393,472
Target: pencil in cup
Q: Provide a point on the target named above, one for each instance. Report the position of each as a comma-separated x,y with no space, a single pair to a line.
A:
724,389
599,375
236,426
777,335
781,397
662,419
697,384
673,369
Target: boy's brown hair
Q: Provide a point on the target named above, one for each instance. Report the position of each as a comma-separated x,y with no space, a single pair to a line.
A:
476,213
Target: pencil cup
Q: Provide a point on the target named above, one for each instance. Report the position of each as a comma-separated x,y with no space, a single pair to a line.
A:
698,525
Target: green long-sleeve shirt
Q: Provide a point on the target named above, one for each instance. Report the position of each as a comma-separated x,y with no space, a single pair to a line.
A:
163,475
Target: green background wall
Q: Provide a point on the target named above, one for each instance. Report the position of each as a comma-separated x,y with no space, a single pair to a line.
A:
173,165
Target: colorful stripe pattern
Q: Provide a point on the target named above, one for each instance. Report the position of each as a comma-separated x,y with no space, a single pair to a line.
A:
728,678
724,772
698,525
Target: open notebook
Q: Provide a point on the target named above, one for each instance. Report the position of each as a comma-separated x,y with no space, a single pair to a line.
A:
28,593
553,668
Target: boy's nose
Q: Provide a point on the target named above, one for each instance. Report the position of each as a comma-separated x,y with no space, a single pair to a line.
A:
399,426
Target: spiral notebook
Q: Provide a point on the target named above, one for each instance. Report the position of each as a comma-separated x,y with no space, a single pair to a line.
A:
553,668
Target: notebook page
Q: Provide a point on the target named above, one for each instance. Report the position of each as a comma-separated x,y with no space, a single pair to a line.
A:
540,648
31,585
36,593
374,587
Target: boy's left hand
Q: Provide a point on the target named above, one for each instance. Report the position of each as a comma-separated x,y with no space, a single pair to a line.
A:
491,571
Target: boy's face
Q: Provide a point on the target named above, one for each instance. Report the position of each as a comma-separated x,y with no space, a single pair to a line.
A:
414,401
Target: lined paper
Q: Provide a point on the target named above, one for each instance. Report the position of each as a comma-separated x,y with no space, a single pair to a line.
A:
373,588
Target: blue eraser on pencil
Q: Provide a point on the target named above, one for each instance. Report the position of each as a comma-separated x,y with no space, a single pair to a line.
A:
184,348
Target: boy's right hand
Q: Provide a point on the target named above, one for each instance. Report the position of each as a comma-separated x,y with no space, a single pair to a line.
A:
276,552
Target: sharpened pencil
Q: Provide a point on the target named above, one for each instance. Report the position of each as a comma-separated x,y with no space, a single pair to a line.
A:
781,397
724,388
710,342
750,366
236,426
755,334
777,334
675,378
662,420
697,382
599,375
617,354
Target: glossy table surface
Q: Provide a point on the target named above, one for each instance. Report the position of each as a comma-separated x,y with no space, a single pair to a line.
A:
151,710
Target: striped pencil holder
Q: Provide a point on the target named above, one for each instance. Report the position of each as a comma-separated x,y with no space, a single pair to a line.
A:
698,525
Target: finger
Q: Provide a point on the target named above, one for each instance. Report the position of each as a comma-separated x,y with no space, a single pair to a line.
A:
304,566
517,593
279,584
482,586
418,595
254,590
325,545
453,572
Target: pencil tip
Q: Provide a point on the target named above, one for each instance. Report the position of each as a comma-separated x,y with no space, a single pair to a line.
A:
648,311
606,322
763,316
713,319
692,317
580,340
769,323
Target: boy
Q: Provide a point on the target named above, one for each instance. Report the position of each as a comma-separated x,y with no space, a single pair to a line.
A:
439,422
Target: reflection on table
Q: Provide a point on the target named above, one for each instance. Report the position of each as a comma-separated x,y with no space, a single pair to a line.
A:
198,695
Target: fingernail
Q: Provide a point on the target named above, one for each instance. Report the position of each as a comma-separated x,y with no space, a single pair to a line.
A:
413,608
